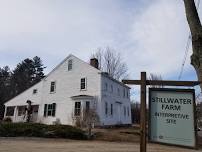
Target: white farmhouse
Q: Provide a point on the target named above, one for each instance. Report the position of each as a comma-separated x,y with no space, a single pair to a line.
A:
69,89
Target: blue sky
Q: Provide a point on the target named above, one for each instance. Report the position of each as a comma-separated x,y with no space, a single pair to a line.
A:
151,35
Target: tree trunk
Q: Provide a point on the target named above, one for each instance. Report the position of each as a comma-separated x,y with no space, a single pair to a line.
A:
89,130
196,33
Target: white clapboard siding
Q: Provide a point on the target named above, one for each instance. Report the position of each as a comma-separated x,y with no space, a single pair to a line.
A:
68,85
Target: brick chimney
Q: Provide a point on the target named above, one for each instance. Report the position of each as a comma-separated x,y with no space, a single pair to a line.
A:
94,63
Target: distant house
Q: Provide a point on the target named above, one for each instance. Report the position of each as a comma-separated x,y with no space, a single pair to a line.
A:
69,89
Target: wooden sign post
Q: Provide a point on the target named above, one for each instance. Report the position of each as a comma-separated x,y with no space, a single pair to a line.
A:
143,84
143,113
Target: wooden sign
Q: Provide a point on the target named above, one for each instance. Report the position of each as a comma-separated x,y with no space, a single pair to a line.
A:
172,116
143,82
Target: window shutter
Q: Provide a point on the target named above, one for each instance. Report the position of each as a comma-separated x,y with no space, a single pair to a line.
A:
111,109
106,108
45,110
53,109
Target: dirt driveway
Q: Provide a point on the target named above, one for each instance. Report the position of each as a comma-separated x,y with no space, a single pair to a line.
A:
60,145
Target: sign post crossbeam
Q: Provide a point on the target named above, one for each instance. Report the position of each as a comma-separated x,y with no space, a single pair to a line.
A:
162,82
143,83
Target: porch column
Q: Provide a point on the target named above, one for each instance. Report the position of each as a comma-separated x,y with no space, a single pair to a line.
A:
15,114
82,108
5,111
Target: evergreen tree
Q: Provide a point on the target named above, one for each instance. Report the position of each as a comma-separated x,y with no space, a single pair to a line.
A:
38,69
23,76
5,85
26,74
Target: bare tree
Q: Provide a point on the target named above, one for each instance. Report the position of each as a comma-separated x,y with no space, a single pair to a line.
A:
135,112
87,119
99,56
155,77
90,119
111,62
196,33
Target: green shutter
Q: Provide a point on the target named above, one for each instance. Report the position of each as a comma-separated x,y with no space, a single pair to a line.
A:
53,109
45,110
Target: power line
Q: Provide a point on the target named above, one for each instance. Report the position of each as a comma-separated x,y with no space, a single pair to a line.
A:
187,47
185,56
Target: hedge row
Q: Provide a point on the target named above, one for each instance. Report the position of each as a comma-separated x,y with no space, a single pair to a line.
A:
40,130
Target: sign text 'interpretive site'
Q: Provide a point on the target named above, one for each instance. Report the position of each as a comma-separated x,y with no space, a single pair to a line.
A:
172,116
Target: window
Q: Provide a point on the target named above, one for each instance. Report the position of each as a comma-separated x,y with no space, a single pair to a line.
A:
112,109
118,91
21,110
87,106
124,111
69,65
77,109
52,87
83,83
106,108
124,93
34,91
10,111
127,93
49,109
106,86
111,88
128,111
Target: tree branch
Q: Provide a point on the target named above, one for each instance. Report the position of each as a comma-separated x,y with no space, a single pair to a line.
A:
192,17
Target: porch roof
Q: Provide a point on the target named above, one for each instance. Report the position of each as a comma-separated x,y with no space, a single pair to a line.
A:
18,102
77,97
18,105
118,102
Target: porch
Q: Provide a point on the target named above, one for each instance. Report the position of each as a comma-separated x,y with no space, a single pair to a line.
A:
19,113
83,107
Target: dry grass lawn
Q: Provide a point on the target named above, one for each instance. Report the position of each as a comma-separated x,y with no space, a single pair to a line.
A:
61,145
130,134
107,140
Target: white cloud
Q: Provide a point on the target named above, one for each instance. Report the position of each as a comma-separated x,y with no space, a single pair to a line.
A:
160,33
151,35
53,30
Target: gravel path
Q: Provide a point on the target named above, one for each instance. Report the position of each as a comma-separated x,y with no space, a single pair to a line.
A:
61,145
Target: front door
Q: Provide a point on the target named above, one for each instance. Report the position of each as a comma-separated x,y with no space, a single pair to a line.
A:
34,113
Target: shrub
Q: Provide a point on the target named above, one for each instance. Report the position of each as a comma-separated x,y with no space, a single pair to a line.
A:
40,130
7,119
65,131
